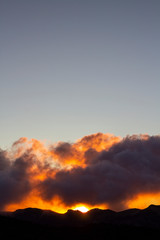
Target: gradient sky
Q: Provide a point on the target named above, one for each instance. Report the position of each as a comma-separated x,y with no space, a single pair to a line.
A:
70,68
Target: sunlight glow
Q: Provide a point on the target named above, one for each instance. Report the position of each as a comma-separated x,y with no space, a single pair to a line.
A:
82,209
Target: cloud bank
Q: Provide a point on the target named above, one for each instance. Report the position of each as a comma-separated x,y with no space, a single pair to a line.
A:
97,169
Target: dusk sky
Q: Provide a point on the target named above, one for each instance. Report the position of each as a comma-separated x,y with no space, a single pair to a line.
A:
82,76
70,68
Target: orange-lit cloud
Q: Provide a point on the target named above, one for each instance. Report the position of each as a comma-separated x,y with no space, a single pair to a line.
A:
99,170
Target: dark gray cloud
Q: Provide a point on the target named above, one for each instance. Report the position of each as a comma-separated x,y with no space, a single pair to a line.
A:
4,161
113,175
14,179
129,167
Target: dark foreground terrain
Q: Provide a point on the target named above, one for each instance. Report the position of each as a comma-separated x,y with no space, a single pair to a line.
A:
96,224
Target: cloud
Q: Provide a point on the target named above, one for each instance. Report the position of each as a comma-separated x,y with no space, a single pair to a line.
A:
128,168
14,178
97,169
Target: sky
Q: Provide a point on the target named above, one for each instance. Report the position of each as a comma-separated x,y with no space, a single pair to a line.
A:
71,68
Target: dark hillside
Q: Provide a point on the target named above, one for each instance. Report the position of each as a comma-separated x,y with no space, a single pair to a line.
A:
96,224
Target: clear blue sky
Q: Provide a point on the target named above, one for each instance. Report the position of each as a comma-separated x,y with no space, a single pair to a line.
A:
69,68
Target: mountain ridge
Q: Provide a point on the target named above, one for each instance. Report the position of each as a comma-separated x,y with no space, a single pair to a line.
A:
96,224
148,217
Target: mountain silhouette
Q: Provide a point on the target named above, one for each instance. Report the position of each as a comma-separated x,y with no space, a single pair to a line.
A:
34,223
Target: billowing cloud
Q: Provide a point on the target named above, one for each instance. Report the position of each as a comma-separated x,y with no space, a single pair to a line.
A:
96,170
14,178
